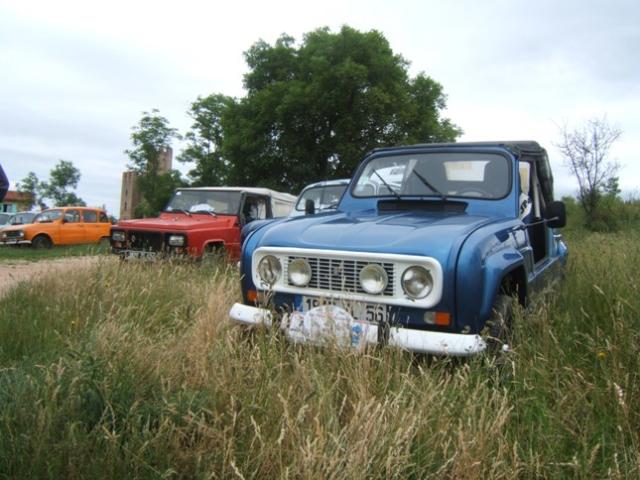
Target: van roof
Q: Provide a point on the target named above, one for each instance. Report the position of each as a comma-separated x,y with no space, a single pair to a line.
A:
257,190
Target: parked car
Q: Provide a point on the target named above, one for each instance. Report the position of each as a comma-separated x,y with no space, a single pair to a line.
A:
21,218
314,198
60,226
198,221
4,218
428,248
320,197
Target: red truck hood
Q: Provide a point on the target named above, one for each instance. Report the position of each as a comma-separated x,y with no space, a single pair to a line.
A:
179,221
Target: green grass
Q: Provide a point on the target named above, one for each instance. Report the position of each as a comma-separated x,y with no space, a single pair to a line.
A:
9,253
132,371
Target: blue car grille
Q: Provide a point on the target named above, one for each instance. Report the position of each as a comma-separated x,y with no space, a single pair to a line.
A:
340,275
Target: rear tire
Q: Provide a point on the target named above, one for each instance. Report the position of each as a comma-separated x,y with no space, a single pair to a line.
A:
41,242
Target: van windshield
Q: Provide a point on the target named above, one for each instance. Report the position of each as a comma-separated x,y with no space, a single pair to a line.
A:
220,202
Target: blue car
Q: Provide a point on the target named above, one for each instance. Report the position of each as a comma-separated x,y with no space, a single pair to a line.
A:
427,251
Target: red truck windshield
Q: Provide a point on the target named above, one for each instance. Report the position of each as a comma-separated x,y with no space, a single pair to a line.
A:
205,201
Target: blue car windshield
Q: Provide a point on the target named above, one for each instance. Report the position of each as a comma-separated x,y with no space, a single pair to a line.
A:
471,175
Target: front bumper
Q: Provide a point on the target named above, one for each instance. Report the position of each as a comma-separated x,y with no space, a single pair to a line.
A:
15,241
419,341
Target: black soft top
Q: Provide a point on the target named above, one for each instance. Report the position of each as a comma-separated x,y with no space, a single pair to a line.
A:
525,150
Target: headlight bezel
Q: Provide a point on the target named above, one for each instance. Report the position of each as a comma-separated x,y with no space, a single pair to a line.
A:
393,294
303,270
122,236
176,240
428,281
274,269
373,269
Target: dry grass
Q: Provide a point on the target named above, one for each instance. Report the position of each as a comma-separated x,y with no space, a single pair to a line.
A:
134,371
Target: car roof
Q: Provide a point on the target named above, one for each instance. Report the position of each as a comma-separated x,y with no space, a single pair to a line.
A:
518,146
256,190
72,207
328,183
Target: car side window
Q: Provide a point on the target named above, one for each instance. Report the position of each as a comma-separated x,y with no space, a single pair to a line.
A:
90,216
104,218
255,208
72,216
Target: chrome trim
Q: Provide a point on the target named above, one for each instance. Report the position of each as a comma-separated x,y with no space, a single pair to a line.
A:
419,341
393,295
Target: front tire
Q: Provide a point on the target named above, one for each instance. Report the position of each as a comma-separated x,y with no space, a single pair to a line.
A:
501,322
41,242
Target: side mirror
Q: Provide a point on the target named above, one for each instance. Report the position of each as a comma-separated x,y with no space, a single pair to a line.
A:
309,207
556,215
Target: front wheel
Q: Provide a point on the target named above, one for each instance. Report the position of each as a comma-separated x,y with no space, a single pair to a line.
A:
41,242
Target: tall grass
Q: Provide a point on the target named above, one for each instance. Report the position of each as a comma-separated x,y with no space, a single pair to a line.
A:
128,371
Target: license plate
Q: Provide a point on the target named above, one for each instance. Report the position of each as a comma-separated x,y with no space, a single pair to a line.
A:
369,312
141,255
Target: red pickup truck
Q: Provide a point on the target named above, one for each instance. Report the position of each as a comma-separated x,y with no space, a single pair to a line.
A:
198,221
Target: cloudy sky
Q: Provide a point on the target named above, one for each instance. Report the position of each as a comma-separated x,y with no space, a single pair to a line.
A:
76,76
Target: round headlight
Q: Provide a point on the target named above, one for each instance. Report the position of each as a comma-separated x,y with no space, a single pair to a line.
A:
417,282
117,236
269,269
299,272
373,279
176,240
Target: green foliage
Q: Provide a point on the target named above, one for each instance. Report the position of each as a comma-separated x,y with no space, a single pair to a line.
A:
151,138
132,371
156,192
204,141
31,185
62,177
311,111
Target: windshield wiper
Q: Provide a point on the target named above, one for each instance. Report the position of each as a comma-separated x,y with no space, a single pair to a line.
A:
395,194
182,210
428,185
207,211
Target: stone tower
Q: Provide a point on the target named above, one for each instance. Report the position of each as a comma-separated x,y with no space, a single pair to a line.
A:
130,195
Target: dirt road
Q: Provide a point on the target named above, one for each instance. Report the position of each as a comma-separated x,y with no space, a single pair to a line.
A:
16,271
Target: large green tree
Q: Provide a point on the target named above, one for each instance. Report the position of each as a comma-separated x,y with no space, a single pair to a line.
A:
63,177
151,138
311,111
204,141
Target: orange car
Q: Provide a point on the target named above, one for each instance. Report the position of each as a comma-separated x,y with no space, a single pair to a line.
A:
60,226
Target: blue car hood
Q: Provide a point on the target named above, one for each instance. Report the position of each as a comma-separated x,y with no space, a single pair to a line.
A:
409,233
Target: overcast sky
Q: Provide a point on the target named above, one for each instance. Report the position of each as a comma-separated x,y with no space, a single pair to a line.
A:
76,76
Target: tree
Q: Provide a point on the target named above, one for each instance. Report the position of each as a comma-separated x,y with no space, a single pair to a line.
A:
62,177
312,111
205,141
586,152
151,139
31,186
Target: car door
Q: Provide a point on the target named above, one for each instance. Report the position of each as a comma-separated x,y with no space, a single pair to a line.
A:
72,228
255,207
540,235
92,229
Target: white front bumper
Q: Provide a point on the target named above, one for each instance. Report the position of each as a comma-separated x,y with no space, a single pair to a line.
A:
420,341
